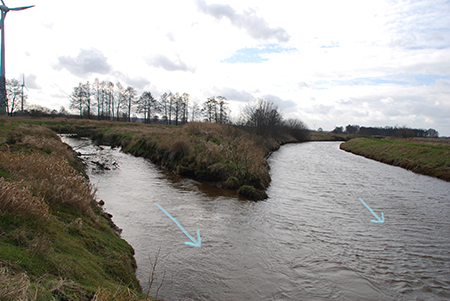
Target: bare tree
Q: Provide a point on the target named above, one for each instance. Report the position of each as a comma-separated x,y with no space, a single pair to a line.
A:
184,108
145,104
263,116
223,110
297,129
77,99
176,106
121,99
164,101
130,100
195,111
87,99
171,101
209,109
14,92
97,92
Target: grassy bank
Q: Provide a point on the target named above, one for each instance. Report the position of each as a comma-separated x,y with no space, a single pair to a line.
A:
425,156
230,157
56,243
322,136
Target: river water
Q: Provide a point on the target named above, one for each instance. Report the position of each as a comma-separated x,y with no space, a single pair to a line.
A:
312,239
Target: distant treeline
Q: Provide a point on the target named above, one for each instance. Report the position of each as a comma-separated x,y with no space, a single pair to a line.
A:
389,131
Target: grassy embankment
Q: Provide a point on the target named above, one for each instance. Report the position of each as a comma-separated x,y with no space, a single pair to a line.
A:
56,243
226,155
322,136
424,156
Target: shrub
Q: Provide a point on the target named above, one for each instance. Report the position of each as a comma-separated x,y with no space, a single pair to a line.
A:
252,193
231,183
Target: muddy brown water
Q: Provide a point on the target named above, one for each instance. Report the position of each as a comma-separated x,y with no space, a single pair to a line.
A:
312,239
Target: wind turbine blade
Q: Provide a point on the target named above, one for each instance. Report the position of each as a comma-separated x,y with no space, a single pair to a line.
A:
21,8
3,2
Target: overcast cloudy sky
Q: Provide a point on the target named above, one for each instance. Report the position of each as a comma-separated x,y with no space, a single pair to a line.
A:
329,63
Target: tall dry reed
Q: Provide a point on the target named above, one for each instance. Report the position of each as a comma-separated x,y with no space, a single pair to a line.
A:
50,177
17,198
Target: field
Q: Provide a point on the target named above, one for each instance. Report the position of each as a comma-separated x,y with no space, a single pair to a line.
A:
421,155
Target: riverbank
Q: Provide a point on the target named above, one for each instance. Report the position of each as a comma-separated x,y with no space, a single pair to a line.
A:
56,242
225,155
429,157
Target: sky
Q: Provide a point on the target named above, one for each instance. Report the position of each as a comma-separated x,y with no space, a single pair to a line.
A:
327,63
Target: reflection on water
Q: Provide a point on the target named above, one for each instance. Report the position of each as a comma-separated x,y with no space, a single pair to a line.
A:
311,240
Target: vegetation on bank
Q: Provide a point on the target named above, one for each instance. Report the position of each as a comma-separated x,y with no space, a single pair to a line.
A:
230,156
424,156
224,154
56,243
330,136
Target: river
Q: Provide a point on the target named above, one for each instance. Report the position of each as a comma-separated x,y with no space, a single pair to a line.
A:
312,239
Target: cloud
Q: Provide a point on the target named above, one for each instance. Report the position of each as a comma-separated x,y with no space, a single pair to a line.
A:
256,54
302,85
162,61
88,61
255,26
424,24
30,82
136,82
233,94
281,103
170,36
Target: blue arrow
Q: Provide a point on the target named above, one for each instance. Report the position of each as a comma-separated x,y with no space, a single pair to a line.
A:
195,243
379,220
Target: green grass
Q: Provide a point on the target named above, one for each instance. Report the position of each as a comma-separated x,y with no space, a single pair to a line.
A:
425,156
56,243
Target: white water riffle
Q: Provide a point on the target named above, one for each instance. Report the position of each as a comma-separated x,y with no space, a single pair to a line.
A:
312,239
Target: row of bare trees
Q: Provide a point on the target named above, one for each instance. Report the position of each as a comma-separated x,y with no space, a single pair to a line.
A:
106,100
114,102
111,101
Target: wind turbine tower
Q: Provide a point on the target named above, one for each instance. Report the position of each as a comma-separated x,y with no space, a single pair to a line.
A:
23,85
4,10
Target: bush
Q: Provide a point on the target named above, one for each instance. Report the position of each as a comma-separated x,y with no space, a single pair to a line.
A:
252,193
231,183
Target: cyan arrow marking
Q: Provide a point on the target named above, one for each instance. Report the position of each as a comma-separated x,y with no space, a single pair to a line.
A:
378,220
195,243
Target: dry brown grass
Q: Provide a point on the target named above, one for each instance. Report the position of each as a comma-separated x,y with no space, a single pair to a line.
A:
18,286
120,294
13,286
49,177
17,197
